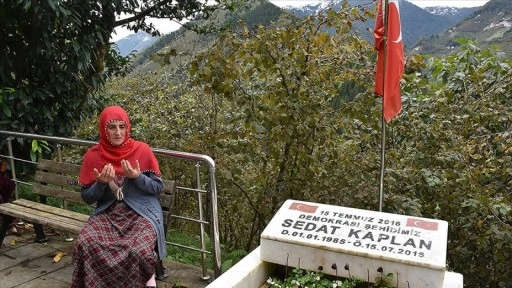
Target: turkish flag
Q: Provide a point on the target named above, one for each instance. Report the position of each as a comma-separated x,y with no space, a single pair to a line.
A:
423,224
390,58
303,207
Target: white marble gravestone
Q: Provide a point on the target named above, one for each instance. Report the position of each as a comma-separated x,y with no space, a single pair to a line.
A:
359,243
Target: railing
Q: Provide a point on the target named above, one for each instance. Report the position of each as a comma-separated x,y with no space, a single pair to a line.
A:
196,158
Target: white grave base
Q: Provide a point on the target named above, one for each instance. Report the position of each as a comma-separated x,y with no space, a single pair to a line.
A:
367,269
251,272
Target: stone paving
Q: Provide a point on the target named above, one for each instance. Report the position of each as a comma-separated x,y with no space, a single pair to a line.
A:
28,264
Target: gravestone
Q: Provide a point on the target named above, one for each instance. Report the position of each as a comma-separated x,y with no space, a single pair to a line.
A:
350,242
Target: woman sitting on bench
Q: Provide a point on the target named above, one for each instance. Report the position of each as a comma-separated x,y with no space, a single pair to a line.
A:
116,248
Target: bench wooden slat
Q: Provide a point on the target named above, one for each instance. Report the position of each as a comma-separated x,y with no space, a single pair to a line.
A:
61,167
44,218
66,181
50,191
53,210
167,198
166,201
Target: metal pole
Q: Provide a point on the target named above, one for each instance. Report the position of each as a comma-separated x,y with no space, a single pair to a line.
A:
382,159
13,171
383,125
201,224
215,221
11,163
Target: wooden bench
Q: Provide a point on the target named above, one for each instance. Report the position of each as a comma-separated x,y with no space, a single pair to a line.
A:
59,180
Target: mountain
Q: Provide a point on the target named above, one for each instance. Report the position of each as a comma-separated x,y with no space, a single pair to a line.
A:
489,25
456,14
135,42
172,51
417,23
423,29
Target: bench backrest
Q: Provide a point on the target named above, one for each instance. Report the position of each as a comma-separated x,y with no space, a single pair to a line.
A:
60,180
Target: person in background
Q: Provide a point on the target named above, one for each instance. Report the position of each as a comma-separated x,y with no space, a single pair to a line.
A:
7,185
116,247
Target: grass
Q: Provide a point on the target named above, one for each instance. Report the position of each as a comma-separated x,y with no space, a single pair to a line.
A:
191,257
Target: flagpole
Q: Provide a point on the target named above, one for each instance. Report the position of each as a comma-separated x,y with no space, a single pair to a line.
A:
382,159
383,121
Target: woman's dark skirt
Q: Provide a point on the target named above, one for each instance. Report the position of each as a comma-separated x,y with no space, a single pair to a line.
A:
116,248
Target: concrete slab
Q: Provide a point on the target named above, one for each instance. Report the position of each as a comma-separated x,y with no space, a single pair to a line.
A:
63,274
34,268
14,241
44,282
24,254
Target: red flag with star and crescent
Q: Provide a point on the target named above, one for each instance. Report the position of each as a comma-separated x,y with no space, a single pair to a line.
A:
390,58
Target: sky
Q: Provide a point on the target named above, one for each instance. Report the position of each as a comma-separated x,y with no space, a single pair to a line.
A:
165,26
419,3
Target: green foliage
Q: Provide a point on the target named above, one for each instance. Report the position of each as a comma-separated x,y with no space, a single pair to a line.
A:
184,255
47,62
5,107
274,127
25,191
231,258
303,278
116,64
451,150
37,149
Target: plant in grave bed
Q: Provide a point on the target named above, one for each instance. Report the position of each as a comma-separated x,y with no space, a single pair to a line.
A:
300,278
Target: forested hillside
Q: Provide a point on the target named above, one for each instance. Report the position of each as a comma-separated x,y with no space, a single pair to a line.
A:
180,46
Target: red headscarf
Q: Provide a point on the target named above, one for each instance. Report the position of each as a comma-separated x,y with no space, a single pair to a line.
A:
104,152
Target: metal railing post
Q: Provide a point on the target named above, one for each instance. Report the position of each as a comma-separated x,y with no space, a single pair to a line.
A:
11,163
214,225
201,218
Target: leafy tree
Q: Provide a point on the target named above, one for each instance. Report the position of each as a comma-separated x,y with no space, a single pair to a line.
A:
451,153
273,123
56,54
